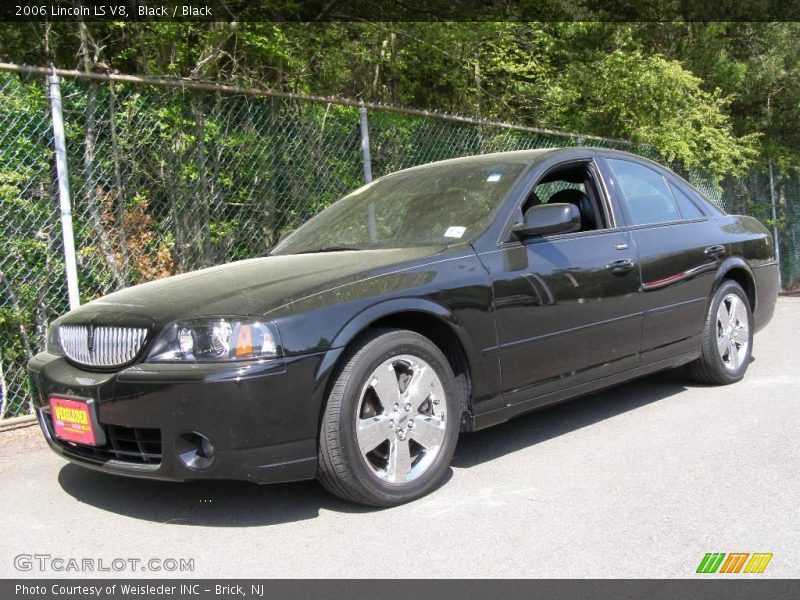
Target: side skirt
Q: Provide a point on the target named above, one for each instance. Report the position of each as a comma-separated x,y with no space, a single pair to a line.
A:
500,415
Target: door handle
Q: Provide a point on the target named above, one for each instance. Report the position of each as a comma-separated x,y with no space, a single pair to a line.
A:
621,266
715,251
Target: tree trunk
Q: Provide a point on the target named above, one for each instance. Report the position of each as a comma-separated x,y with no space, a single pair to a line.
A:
179,249
201,218
3,389
394,77
478,85
92,185
119,197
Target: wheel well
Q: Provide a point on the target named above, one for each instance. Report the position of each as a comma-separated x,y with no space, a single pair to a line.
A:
445,338
744,279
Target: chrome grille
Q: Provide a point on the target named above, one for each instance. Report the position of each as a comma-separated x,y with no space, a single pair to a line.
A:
110,346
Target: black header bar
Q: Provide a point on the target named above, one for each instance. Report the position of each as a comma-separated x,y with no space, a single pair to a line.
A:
397,10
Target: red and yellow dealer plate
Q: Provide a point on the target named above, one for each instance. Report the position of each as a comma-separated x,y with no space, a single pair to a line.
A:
72,421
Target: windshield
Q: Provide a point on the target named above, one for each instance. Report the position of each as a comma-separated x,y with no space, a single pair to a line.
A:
437,205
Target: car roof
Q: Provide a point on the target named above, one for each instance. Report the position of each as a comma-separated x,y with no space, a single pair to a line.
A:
534,156
514,156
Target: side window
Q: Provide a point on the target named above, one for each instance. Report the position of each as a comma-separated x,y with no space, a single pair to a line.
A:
688,208
645,192
547,190
571,183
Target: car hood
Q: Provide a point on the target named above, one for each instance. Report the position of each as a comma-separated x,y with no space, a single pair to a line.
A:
249,287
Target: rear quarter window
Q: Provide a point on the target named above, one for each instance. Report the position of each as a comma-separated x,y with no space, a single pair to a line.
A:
687,206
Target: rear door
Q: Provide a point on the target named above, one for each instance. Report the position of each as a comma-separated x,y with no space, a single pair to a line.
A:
677,250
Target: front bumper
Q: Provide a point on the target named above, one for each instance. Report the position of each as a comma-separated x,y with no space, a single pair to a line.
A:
262,418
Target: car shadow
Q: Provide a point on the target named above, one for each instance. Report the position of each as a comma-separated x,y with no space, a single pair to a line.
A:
206,503
243,504
539,426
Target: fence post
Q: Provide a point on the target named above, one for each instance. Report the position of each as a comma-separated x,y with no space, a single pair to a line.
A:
59,141
372,223
775,238
367,159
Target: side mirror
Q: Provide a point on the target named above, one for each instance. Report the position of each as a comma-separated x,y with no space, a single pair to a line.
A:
548,219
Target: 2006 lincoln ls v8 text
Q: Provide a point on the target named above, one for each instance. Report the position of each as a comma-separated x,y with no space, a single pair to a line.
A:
444,298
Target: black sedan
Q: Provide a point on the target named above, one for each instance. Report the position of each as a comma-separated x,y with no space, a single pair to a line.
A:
444,298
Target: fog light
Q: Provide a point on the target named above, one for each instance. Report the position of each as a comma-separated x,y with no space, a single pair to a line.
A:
195,450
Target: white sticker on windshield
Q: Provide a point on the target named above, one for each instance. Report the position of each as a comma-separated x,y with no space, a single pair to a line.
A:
494,177
455,232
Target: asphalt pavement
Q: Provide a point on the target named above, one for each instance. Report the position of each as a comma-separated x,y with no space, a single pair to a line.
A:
638,481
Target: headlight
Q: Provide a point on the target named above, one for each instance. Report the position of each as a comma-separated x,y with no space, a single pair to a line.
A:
53,346
216,340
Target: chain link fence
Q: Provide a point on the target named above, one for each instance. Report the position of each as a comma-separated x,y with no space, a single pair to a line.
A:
167,177
32,280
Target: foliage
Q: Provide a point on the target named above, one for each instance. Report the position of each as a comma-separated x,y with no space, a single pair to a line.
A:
712,94
649,100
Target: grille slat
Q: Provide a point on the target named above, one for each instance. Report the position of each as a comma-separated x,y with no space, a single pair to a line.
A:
140,446
113,441
113,346
100,346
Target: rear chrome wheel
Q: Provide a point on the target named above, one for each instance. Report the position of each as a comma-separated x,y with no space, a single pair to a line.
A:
733,331
391,421
401,420
727,337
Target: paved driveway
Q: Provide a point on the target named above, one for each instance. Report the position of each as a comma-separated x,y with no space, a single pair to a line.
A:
638,481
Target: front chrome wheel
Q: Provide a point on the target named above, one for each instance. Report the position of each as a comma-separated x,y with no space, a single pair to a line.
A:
391,421
733,331
401,419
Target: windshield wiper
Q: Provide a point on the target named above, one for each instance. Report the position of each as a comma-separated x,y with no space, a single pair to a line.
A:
331,249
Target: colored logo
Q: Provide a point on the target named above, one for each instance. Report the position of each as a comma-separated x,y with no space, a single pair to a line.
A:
734,562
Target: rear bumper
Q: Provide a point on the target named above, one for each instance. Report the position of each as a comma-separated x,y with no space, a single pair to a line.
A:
767,279
261,418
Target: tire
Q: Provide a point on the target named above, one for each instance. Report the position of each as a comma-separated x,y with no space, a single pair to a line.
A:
393,384
727,342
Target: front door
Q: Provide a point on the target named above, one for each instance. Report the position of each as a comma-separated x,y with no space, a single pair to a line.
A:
567,306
